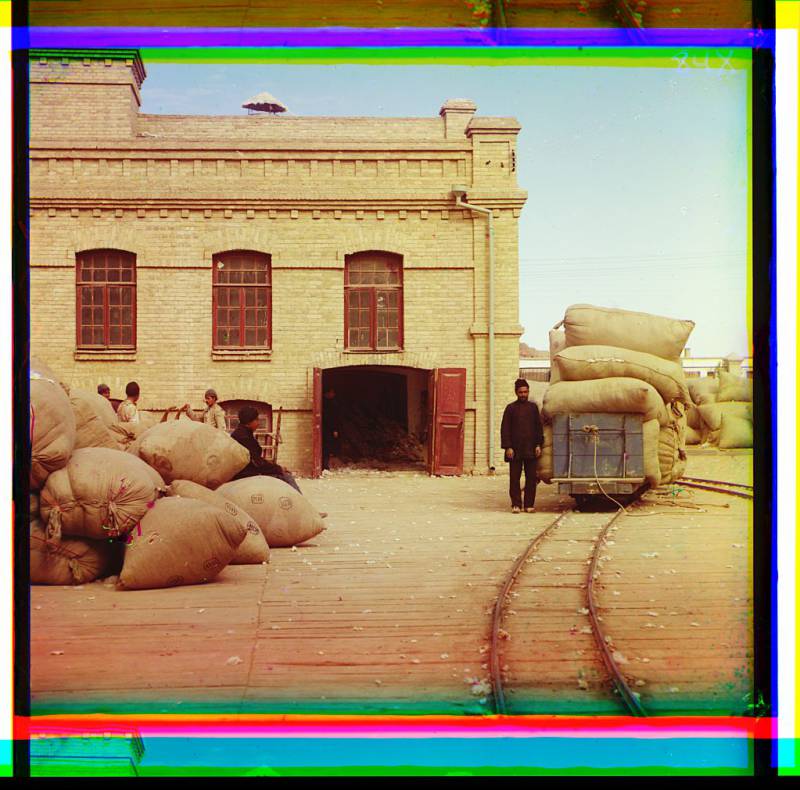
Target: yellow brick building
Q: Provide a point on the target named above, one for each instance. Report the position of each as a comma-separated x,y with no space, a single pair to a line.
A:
187,252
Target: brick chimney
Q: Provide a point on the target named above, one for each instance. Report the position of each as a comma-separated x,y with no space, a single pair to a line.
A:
457,113
84,94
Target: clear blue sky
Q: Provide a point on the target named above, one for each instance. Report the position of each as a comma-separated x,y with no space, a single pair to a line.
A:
636,177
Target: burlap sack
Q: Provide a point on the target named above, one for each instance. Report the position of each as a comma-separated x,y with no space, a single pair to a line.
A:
558,342
33,504
693,418
285,517
615,395
188,450
669,447
693,436
71,561
52,429
735,432
582,363
703,390
734,388
712,412
94,418
147,419
544,466
253,549
183,541
41,370
537,390
650,436
127,434
587,325
100,494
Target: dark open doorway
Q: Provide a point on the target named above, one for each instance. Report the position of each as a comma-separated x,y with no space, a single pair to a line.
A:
380,415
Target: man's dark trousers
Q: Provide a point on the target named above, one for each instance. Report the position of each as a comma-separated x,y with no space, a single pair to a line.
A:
515,472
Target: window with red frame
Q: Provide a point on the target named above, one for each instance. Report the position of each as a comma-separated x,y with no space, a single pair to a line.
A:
106,300
373,302
242,300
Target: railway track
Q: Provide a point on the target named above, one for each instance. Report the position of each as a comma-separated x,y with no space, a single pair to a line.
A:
718,486
600,525
593,530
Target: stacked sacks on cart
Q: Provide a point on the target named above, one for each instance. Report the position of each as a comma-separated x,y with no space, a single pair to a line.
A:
620,361
722,411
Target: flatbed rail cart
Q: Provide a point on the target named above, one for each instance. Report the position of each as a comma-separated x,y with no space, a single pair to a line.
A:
599,455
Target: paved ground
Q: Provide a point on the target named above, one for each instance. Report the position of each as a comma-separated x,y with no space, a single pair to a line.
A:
386,610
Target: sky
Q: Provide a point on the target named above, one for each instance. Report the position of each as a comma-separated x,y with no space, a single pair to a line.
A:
637,178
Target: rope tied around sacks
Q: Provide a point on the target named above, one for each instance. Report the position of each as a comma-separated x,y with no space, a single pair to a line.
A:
593,431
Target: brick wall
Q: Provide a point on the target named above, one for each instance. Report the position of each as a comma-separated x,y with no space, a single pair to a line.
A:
333,189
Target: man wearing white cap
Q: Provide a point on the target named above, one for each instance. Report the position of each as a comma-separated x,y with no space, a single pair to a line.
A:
212,415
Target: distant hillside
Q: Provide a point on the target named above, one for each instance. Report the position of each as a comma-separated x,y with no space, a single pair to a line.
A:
527,352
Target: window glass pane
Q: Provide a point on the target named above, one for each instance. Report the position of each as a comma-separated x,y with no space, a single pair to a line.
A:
113,296
97,336
114,336
114,315
97,315
250,296
352,338
249,336
127,316
86,315
234,297
261,337
127,335
262,297
127,295
393,338
233,336
99,275
363,338
86,335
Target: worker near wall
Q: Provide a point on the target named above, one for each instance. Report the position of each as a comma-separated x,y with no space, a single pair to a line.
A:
244,434
212,415
127,410
104,390
521,437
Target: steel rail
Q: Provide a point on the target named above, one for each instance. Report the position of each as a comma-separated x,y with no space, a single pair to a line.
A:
497,614
720,482
741,494
629,697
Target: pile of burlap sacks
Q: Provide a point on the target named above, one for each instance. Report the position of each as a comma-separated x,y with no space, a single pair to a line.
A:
154,505
620,361
721,412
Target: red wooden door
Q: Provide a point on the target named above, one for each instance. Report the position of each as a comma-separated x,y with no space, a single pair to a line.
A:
316,424
447,435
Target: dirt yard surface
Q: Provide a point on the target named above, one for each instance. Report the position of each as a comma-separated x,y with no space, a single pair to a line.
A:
387,610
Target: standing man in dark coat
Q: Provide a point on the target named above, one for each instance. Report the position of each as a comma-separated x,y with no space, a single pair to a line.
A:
521,437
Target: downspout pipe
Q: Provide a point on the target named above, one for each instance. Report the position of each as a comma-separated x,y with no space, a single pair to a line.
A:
459,193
